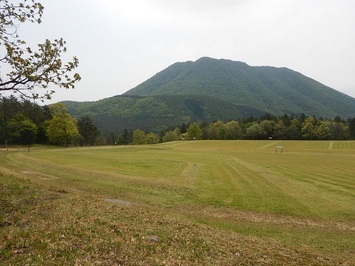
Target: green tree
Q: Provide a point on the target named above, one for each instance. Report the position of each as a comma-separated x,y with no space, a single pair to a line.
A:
339,130
38,115
87,130
152,138
183,128
9,107
309,128
139,137
268,128
216,130
170,135
233,130
286,119
211,131
279,130
35,112
293,131
127,136
28,69
108,138
322,131
255,131
194,132
204,126
352,128
62,128
23,130
120,140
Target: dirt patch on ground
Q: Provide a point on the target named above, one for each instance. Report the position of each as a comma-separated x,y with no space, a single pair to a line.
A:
119,201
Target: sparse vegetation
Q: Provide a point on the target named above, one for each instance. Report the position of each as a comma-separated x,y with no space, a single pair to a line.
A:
195,203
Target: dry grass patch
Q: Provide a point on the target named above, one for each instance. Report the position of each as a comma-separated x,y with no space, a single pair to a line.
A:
43,226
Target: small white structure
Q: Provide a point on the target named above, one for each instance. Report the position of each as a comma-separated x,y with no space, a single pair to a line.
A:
279,148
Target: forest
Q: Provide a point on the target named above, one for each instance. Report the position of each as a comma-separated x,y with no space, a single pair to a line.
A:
23,122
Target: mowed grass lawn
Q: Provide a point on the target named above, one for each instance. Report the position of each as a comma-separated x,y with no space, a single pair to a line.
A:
191,203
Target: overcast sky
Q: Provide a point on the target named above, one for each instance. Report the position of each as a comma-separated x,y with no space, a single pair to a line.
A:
121,43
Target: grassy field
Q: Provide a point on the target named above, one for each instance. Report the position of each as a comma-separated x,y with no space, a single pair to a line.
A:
180,203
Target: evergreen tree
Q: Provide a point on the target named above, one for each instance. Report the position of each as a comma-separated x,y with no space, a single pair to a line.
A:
127,136
352,128
87,130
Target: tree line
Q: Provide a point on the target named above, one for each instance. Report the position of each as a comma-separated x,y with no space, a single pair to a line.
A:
283,127
23,122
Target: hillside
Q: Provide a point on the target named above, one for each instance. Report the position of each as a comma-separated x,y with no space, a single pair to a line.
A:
210,89
269,89
155,113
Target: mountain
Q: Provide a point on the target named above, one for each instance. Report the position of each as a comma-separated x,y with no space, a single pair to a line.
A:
210,89
269,89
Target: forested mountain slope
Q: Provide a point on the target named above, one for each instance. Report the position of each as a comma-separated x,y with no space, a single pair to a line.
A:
210,89
269,89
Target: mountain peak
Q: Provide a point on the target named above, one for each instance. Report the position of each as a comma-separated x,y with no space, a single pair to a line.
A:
269,89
